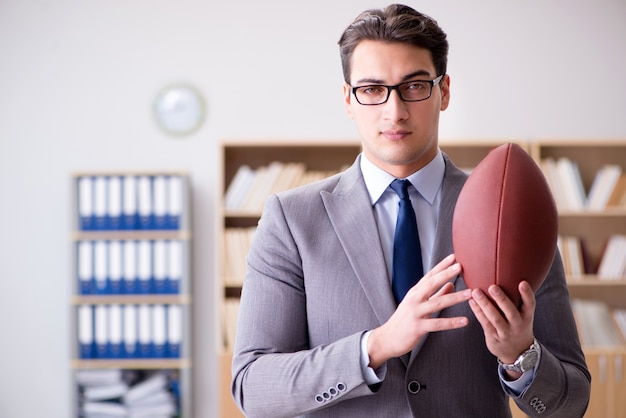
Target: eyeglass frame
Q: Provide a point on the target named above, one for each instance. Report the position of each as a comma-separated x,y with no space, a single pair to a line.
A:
432,84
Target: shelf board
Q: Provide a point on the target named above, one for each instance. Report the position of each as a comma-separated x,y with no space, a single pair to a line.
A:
595,281
143,364
90,173
182,299
135,234
604,351
606,213
242,214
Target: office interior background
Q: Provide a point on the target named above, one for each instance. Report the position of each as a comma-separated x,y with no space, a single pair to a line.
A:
77,84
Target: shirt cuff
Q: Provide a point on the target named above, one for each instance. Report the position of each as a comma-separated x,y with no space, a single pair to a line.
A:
519,386
370,375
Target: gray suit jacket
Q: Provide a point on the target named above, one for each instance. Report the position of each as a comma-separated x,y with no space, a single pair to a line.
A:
316,281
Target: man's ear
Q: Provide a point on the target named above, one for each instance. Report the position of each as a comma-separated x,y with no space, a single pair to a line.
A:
347,98
445,91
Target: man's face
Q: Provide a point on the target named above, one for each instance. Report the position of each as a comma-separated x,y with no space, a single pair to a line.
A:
399,137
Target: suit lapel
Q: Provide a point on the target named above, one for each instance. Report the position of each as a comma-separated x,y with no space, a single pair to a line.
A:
352,217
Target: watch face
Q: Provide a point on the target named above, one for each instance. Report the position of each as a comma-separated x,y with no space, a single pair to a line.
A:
179,109
529,360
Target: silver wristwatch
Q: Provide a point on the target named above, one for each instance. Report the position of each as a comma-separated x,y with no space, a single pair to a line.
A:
526,361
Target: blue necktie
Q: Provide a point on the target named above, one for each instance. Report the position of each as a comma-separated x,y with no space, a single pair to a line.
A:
407,253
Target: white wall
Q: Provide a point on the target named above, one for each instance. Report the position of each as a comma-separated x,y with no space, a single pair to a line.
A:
76,84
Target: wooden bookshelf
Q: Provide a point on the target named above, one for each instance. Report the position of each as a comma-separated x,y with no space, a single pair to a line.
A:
594,226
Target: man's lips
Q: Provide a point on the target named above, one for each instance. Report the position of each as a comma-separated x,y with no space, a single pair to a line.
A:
395,134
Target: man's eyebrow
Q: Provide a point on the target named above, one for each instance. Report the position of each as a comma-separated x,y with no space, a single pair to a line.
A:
407,77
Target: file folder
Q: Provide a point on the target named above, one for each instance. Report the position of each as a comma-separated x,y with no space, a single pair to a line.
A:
160,266
144,331
144,266
159,328
85,268
174,330
175,202
160,202
115,331
115,267
85,332
131,347
101,331
145,203
114,203
130,285
85,203
100,202
100,267
130,216
175,266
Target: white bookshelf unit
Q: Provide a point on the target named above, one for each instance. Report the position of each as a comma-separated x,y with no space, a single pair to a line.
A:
131,293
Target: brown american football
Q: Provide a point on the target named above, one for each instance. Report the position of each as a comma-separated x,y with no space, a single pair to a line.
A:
505,223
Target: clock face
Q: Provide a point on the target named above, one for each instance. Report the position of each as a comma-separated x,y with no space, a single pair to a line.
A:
179,109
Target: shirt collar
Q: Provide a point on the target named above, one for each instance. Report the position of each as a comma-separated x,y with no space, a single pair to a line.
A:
427,180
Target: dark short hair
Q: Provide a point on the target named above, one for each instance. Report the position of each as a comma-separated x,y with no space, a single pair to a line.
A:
395,23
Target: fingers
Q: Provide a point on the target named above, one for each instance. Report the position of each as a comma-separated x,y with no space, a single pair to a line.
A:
479,305
528,299
499,317
442,273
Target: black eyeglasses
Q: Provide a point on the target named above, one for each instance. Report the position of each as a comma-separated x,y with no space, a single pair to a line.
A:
409,91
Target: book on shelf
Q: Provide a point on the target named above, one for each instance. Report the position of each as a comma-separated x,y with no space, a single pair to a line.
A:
619,315
596,325
572,182
602,187
551,173
608,188
573,255
129,202
239,185
617,198
237,243
231,311
613,263
249,187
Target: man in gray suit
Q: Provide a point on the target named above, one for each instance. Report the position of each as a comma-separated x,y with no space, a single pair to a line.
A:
320,333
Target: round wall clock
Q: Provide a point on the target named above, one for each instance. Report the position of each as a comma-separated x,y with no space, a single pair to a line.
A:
179,109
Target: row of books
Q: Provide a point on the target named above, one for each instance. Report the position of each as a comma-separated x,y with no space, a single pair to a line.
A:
129,331
612,265
599,326
130,202
608,189
249,187
236,244
575,260
129,266
231,311
128,393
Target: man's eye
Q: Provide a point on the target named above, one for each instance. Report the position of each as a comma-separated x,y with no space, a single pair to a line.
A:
373,90
416,86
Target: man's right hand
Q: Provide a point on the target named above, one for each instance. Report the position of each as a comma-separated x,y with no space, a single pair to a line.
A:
413,319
